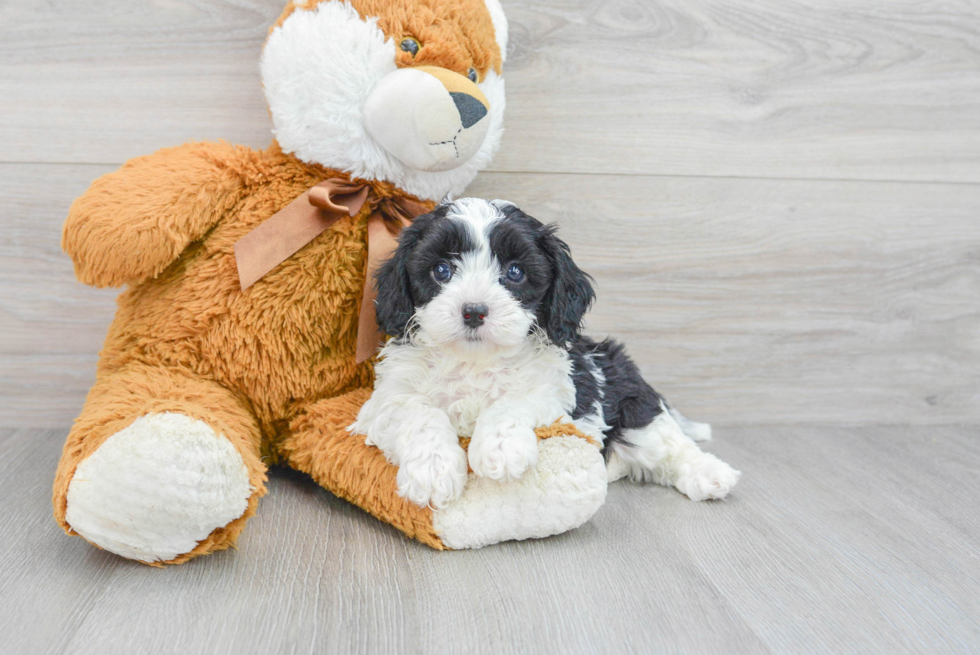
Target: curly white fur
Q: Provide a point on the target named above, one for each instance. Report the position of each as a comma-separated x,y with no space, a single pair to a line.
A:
424,400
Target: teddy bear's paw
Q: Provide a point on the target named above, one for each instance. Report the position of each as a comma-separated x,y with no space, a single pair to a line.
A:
433,478
156,488
503,450
707,478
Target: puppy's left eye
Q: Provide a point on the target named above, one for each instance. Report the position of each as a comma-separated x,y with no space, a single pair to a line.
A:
515,273
442,272
472,74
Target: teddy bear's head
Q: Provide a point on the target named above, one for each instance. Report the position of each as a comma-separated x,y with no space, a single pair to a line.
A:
406,91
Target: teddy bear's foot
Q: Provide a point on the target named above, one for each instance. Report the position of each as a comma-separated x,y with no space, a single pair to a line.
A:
561,492
155,489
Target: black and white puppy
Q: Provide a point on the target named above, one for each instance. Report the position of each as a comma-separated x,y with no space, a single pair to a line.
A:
485,306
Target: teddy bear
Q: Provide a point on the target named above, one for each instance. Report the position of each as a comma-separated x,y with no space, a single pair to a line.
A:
245,336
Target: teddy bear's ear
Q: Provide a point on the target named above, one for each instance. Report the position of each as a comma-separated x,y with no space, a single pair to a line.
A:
394,305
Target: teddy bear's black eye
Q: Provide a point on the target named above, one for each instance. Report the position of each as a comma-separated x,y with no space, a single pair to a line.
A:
410,46
471,73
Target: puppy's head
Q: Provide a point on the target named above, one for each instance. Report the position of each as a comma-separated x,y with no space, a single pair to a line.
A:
477,277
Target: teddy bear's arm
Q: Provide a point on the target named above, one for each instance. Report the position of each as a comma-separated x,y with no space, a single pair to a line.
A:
132,223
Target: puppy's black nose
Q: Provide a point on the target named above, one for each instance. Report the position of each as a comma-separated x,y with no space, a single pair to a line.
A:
474,315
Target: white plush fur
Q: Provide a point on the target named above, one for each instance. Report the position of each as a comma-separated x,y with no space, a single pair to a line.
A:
500,29
564,490
318,70
156,488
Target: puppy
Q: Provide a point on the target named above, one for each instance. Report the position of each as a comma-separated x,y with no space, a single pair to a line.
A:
485,304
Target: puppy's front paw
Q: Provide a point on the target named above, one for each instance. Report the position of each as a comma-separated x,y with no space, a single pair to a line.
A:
503,450
707,478
434,478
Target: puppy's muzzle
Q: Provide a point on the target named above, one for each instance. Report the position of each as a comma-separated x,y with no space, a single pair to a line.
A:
427,117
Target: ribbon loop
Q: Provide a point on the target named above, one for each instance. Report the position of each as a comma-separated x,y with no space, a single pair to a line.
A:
280,237
337,196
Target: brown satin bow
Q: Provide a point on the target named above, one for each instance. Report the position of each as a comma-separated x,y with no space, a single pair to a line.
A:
278,238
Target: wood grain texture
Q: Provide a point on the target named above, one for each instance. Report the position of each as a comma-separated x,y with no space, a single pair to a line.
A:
772,301
870,89
837,89
840,540
745,301
51,326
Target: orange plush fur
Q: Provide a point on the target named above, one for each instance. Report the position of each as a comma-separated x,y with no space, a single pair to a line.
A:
454,34
271,368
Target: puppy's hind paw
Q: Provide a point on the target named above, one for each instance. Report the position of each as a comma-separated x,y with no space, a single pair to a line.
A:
707,478
434,479
503,451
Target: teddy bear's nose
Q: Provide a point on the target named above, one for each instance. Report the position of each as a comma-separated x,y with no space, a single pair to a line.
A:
470,109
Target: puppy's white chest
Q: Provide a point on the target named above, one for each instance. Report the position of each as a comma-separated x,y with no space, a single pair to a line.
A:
465,391
536,378
465,394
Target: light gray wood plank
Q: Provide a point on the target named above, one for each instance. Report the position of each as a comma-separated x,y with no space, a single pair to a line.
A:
780,301
839,540
762,88
841,89
745,301
115,81
603,588
318,580
51,326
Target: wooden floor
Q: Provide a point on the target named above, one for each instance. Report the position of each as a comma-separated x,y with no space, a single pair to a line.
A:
780,202
839,540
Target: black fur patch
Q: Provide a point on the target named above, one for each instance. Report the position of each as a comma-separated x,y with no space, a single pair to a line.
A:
514,240
627,400
405,281
569,293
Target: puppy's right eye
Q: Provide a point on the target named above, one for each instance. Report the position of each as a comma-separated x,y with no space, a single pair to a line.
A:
442,272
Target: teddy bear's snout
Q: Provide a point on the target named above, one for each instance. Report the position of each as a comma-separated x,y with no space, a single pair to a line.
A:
428,118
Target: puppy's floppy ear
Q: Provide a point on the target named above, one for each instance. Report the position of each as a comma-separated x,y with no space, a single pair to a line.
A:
394,305
570,294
